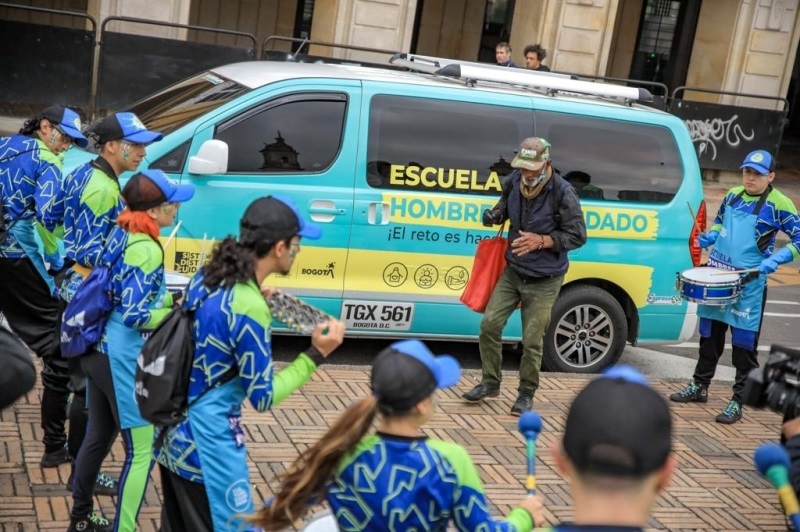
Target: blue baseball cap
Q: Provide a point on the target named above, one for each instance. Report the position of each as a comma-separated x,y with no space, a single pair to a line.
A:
760,160
407,372
68,121
151,188
124,126
275,218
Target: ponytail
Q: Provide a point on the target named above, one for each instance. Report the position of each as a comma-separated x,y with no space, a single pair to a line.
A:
303,484
137,222
230,263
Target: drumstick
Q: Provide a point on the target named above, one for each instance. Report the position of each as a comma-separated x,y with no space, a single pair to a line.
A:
751,270
172,234
694,219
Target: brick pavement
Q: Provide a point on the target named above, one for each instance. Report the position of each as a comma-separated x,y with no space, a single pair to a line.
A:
716,487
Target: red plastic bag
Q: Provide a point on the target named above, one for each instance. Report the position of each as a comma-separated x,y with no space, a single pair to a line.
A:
489,263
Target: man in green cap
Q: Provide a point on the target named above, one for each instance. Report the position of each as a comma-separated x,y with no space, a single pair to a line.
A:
546,222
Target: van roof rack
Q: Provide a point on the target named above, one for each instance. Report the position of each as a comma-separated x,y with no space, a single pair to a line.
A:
550,81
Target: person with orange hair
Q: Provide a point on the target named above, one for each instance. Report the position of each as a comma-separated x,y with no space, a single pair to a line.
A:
91,205
138,292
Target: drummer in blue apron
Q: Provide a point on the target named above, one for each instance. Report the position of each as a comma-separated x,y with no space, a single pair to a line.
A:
141,302
743,236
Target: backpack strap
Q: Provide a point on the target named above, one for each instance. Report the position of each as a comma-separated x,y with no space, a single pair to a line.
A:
556,195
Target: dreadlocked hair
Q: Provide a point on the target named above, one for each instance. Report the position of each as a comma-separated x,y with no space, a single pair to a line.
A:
233,262
137,222
305,480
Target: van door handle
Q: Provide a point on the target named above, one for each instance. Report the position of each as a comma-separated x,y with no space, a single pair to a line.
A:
378,213
324,211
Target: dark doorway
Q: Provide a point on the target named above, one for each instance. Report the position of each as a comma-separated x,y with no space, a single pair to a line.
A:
664,43
302,20
496,27
793,95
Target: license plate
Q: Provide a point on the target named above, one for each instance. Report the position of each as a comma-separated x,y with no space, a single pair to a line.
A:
377,315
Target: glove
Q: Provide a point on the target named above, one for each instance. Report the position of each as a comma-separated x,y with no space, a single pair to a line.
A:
56,261
771,263
492,217
707,239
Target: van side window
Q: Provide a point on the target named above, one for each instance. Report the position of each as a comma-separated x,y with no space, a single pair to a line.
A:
439,145
613,160
300,133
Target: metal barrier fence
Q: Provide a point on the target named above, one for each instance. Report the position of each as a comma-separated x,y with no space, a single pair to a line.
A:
722,134
43,65
133,66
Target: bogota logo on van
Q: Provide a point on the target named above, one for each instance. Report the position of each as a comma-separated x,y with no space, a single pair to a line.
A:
327,271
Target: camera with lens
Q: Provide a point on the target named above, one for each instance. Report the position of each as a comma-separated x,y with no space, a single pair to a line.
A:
777,385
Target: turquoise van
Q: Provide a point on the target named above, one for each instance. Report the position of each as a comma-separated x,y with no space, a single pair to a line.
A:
397,167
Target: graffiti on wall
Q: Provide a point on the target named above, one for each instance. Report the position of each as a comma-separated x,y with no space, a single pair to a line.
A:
708,133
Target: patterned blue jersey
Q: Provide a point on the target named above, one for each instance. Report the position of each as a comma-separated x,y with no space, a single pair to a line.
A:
92,204
137,279
396,483
777,214
30,187
232,328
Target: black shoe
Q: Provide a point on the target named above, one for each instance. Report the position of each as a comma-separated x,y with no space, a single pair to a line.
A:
693,393
523,403
94,522
480,392
104,485
731,414
55,458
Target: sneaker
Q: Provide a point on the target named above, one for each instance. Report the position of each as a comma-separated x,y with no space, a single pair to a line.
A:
523,403
104,485
693,393
731,414
94,522
55,458
480,392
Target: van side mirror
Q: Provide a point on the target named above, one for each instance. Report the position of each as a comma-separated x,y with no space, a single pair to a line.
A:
212,158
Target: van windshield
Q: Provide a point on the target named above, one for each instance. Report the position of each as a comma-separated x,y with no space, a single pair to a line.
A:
179,104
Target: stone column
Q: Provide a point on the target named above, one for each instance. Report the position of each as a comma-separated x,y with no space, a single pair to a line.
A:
577,34
762,54
384,24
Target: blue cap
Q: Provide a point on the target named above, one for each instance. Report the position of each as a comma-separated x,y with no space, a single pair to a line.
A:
124,126
626,373
69,122
760,160
399,380
275,218
151,188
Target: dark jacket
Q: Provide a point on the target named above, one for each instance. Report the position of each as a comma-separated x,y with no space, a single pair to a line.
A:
537,216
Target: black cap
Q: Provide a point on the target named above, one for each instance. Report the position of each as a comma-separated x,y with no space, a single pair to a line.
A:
617,427
141,193
407,372
272,219
123,126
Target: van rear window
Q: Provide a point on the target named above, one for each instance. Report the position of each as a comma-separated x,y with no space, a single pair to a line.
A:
446,146
613,160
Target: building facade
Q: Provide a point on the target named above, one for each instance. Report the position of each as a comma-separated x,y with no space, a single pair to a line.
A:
732,46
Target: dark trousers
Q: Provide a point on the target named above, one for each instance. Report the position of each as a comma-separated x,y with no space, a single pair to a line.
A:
711,348
102,430
34,313
185,504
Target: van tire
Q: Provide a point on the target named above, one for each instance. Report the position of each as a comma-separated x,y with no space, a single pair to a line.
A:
587,304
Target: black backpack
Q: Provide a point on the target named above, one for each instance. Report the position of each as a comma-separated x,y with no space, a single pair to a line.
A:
163,371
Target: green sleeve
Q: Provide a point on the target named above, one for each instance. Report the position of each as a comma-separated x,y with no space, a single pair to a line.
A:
292,377
50,239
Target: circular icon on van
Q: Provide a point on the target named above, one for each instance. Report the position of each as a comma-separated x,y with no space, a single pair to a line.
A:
395,274
456,278
426,276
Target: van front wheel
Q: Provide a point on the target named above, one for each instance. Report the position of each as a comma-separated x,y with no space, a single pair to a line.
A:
587,332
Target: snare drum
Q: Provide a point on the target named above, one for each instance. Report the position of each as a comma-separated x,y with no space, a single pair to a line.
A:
710,286
176,282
